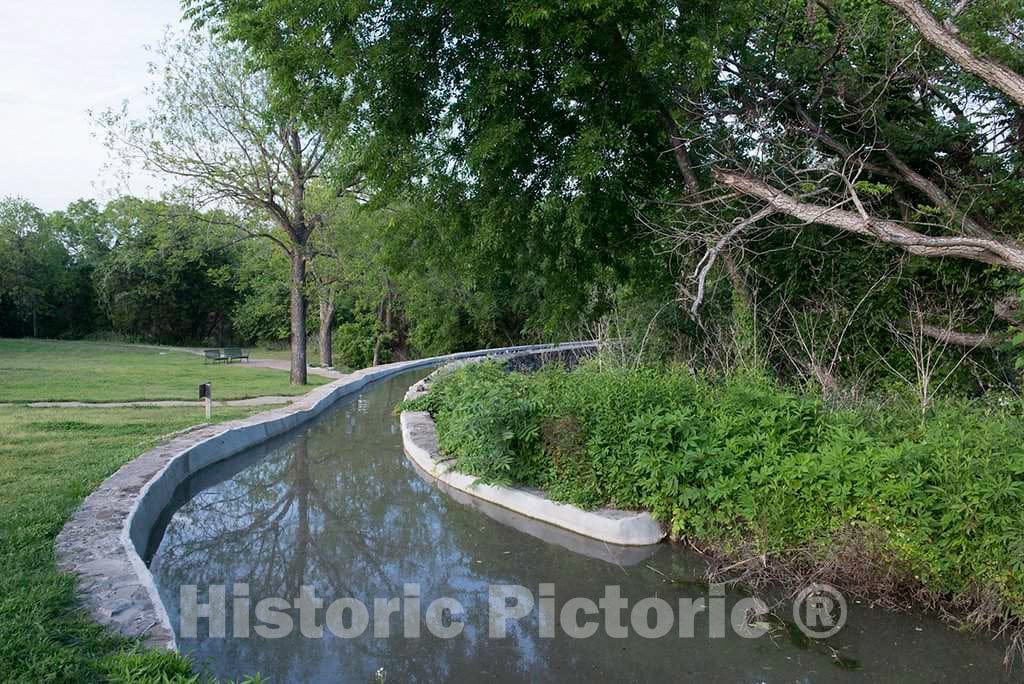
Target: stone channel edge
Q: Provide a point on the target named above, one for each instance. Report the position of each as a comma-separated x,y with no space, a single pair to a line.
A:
609,525
102,542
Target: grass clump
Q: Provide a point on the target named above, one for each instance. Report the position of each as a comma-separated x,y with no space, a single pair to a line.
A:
744,467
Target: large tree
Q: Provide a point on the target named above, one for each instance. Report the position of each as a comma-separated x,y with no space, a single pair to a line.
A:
531,196
560,129
219,130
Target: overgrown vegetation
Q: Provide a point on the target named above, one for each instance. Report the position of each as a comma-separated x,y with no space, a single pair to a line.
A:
933,504
817,177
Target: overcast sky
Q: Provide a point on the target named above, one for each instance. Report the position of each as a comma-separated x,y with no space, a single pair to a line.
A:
58,60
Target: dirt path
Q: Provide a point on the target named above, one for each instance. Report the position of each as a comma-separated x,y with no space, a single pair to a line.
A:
284,365
275,364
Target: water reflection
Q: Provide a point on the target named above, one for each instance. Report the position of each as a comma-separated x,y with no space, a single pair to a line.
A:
337,507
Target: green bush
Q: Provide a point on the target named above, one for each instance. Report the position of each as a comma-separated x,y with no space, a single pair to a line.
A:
353,342
740,462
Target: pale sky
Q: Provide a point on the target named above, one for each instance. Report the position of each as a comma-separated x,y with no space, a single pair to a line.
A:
58,60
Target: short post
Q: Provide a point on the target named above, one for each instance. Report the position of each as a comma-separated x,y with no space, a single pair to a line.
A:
204,393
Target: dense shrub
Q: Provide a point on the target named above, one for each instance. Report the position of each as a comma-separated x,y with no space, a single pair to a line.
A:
740,462
353,341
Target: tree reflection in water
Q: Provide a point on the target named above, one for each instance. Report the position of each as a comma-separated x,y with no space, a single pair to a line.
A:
337,507
324,510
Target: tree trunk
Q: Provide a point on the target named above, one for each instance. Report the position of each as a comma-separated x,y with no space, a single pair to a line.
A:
681,155
385,308
298,316
326,331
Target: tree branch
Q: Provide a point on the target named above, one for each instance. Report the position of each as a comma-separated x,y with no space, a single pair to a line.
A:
959,337
938,197
1000,77
704,267
986,250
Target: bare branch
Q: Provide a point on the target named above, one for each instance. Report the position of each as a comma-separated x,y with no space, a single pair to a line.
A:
986,250
704,267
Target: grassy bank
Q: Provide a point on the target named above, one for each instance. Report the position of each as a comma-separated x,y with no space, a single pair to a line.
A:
50,459
49,370
928,509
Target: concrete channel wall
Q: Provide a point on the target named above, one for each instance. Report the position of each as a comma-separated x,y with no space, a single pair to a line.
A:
609,525
103,542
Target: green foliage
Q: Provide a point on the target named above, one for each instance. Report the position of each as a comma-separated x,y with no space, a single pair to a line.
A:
1017,340
353,342
34,274
873,189
740,461
149,665
136,269
530,207
532,135
745,331
353,270
168,278
260,309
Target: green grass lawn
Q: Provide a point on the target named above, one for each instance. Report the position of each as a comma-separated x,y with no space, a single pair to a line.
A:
50,370
50,459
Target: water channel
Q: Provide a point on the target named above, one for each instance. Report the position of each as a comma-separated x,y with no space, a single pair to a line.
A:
336,506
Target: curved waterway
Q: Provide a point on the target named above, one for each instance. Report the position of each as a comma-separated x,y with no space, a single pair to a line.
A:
336,506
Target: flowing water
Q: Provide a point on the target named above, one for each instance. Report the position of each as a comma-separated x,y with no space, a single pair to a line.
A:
337,506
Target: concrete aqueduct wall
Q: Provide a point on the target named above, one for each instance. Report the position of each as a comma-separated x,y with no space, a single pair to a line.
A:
103,542
609,525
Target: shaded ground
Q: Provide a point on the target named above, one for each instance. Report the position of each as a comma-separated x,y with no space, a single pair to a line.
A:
278,359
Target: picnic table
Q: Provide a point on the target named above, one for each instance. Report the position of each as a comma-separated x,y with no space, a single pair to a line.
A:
225,354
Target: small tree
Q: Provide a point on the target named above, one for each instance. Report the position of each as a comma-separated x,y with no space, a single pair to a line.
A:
347,259
217,128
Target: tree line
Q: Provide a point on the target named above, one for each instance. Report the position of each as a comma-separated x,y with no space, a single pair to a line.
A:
157,271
